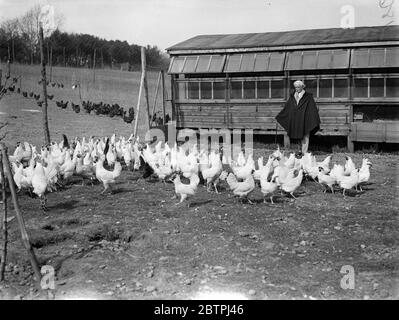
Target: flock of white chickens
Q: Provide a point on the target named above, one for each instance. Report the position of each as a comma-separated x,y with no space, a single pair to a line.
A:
44,170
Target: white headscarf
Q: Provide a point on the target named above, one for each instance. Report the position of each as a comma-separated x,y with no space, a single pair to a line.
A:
299,83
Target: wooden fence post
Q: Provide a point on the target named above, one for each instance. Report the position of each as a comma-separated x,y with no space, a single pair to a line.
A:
4,222
44,83
144,71
163,96
8,70
142,85
51,63
1,73
24,233
138,105
156,97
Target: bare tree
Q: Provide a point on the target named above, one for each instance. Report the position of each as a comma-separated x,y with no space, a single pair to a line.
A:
29,28
10,28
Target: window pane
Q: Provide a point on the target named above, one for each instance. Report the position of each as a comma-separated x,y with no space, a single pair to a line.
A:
233,64
324,60
325,88
392,58
203,64
341,88
309,60
361,87
377,56
189,66
206,90
263,89
276,61
311,86
261,62
177,65
182,90
236,90
294,60
277,89
360,58
249,89
218,90
193,90
216,64
376,87
392,87
248,61
340,59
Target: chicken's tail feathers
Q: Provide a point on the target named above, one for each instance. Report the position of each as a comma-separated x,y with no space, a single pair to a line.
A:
65,141
117,169
106,148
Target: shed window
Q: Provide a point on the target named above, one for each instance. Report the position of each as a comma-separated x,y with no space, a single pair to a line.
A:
376,87
341,88
206,90
294,60
277,89
234,62
217,63
193,90
325,88
182,90
203,64
340,59
361,88
360,58
311,86
219,90
177,65
248,62
261,61
263,89
276,62
309,60
377,57
236,90
392,87
249,89
324,59
189,66
392,57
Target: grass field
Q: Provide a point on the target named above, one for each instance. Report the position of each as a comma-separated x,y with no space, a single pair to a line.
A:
137,244
110,87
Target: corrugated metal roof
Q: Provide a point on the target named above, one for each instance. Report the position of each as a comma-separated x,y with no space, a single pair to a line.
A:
290,38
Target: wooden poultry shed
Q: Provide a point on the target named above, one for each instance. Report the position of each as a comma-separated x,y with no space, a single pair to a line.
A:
239,81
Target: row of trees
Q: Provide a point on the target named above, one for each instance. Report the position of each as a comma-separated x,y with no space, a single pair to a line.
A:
19,42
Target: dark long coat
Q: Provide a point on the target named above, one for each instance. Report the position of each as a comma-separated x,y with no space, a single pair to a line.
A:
299,119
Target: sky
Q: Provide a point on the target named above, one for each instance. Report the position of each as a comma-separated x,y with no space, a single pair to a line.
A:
168,22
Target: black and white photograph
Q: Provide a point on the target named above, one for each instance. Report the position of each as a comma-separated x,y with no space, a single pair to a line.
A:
199,150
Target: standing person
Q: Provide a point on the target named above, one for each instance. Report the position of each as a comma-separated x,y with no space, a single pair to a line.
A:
300,117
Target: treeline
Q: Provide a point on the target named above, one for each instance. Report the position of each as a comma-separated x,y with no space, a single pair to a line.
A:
19,42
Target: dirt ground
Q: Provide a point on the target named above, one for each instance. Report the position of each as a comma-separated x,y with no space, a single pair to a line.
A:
138,244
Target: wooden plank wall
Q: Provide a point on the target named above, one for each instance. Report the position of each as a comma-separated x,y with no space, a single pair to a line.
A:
335,119
384,131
